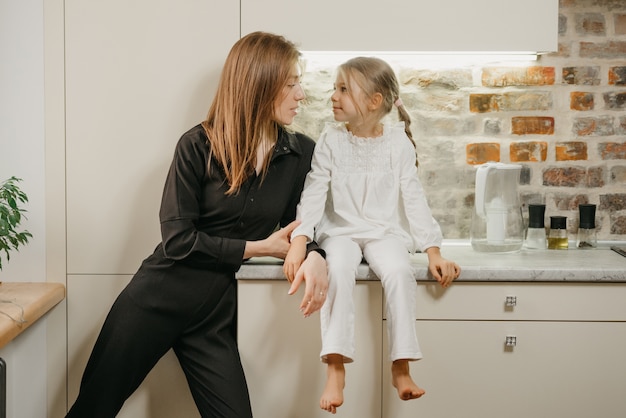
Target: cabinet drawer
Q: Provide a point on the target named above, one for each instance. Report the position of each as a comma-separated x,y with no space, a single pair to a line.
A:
523,301
547,374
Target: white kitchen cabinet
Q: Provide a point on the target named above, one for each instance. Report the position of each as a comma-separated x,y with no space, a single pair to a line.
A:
403,25
280,352
138,75
567,360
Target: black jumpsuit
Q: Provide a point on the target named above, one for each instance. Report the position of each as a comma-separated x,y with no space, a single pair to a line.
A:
184,295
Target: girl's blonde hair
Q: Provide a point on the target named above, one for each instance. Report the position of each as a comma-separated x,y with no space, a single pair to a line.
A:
374,75
241,116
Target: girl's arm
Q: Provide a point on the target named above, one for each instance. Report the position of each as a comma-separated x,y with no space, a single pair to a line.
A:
423,227
295,256
310,209
315,193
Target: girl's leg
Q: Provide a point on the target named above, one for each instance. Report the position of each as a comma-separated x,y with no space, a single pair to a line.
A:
343,257
332,398
389,259
130,343
403,382
209,356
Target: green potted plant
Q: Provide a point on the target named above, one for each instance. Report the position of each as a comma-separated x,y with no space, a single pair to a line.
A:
11,214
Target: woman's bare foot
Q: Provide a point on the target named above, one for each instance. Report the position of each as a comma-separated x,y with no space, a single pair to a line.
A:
402,381
332,398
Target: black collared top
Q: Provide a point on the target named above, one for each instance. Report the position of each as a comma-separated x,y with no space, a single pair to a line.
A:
201,226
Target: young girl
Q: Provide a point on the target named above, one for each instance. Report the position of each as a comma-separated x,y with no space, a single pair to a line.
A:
363,199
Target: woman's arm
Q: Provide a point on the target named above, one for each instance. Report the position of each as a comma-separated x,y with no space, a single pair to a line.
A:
185,187
276,245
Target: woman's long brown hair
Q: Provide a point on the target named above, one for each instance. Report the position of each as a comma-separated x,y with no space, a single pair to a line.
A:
242,113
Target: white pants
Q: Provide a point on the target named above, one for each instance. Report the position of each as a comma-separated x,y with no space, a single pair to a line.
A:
389,260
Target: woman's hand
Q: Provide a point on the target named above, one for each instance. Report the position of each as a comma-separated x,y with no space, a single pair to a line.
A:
276,245
315,275
295,257
444,271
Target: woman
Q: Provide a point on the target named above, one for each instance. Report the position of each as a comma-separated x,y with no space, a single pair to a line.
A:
234,179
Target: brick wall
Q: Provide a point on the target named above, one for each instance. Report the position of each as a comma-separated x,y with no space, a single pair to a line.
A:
563,118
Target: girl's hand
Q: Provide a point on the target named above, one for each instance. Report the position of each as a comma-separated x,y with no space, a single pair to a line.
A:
444,271
295,257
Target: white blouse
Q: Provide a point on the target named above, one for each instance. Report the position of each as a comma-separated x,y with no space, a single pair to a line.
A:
366,188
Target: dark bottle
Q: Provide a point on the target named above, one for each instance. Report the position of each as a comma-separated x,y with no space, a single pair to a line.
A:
586,238
557,239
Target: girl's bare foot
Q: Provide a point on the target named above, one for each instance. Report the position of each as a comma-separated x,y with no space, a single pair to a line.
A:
402,381
332,397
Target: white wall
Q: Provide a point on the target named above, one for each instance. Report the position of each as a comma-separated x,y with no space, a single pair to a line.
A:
22,155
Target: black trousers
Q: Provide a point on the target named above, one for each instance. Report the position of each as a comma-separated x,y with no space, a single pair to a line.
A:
193,314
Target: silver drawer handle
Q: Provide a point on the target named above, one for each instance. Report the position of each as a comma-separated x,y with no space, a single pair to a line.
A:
510,301
510,341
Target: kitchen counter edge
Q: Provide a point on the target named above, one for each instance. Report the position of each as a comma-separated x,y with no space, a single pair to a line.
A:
585,266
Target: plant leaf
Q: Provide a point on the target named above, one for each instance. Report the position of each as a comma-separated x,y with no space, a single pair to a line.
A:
11,215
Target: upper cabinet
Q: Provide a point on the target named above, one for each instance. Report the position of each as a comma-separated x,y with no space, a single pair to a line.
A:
138,75
408,25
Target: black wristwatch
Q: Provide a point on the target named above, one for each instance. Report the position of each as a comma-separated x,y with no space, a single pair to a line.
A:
319,251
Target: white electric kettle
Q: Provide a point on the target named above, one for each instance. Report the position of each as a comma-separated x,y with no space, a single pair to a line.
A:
497,222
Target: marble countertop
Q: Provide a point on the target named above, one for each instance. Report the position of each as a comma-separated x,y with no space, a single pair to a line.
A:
572,265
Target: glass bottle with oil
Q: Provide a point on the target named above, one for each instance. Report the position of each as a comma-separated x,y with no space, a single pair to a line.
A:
557,238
